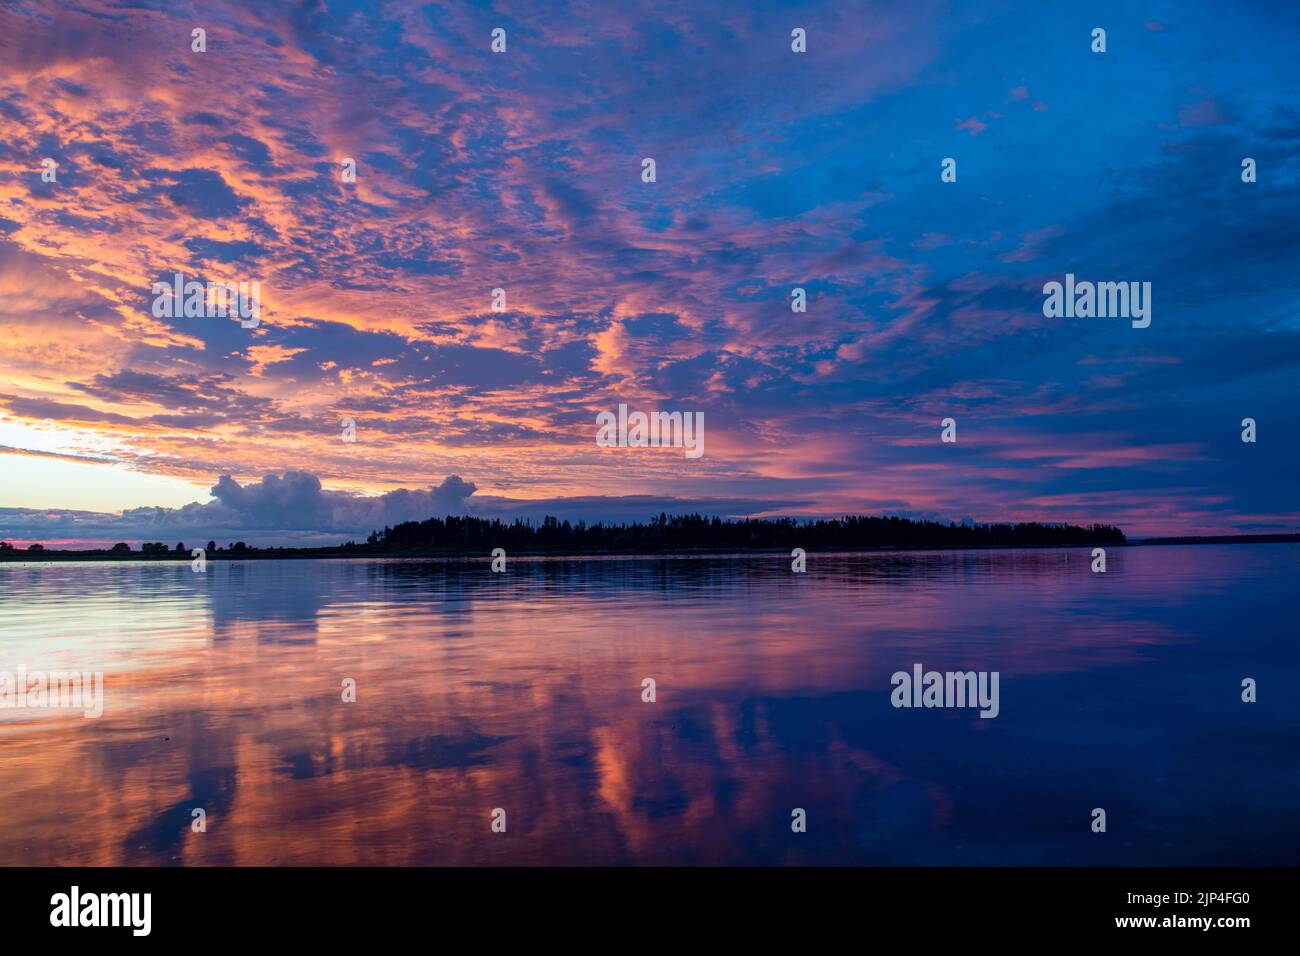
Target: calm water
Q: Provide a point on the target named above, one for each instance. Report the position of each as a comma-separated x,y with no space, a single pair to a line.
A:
523,691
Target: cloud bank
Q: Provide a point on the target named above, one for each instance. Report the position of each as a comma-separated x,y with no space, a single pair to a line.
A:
294,508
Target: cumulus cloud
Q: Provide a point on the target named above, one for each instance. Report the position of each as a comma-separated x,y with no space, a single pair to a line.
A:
293,508
296,501
287,508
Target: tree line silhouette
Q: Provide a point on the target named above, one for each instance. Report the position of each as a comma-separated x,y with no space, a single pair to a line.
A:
696,531
691,532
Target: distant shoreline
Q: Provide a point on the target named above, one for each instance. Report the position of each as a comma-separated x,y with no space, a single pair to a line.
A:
1289,538
473,536
369,552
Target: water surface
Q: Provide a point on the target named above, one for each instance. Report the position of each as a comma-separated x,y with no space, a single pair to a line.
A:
523,691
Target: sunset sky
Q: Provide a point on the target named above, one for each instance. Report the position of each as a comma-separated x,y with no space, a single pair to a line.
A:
522,170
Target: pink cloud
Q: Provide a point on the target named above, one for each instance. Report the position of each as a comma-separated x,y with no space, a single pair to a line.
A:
1203,112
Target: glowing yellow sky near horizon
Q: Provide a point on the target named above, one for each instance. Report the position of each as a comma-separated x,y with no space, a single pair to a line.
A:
28,481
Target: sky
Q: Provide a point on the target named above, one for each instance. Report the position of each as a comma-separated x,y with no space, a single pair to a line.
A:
522,170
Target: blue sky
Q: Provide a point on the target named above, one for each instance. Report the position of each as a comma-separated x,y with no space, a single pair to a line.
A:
522,170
